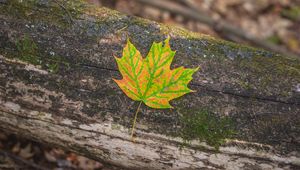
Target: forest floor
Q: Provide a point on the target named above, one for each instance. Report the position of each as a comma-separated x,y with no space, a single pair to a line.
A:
274,21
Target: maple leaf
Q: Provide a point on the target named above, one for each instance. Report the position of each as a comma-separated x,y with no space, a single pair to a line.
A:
150,79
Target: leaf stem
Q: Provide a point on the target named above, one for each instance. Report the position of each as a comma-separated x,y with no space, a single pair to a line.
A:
134,121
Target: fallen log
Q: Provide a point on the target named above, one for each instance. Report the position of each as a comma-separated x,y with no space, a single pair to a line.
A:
56,87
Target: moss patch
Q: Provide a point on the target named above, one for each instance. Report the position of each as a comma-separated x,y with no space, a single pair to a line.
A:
28,51
271,69
206,127
181,32
55,12
275,65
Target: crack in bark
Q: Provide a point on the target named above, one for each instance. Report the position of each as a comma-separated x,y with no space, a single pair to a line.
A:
193,84
207,88
246,96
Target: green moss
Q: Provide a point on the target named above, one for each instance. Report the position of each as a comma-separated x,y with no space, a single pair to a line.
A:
245,85
55,62
277,64
61,13
28,51
206,126
141,22
272,68
17,8
270,75
179,31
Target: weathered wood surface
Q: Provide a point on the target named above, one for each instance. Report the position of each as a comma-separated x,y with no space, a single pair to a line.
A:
78,107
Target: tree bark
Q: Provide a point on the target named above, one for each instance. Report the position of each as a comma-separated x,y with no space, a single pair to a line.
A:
56,69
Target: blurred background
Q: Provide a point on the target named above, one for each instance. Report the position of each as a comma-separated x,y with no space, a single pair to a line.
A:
270,24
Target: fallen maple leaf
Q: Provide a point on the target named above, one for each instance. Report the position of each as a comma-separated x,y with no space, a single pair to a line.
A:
150,80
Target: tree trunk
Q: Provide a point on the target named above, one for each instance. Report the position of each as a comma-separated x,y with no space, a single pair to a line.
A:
56,69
